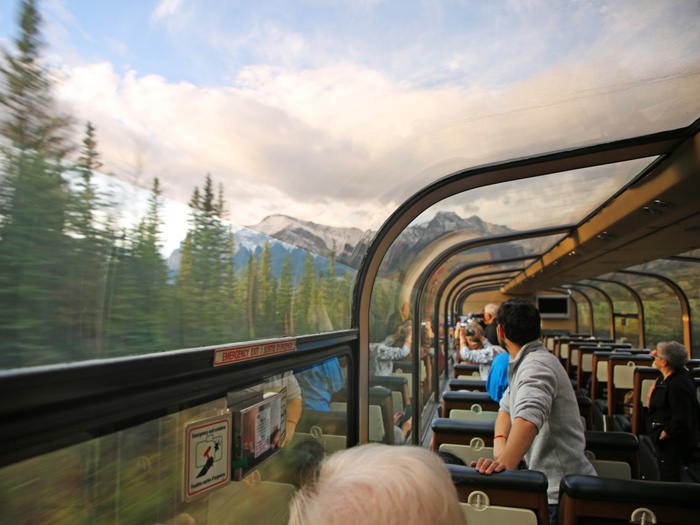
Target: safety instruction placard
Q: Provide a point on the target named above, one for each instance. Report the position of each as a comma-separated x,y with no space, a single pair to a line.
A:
207,454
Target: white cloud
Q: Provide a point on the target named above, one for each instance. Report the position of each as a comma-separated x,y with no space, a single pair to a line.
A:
343,142
165,9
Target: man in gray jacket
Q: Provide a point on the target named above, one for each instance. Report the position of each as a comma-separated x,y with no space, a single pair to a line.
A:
538,417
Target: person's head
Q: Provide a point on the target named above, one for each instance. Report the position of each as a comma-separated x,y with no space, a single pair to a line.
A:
490,313
379,484
519,320
673,353
474,341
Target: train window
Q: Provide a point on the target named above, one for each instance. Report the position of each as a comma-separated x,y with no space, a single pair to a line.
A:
682,271
137,475
583,312
132,290
662,308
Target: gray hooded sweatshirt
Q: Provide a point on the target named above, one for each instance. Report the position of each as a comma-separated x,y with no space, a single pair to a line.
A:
540,392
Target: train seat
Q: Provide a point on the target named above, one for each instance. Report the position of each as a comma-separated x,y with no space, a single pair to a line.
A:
590,499
584,365
614,446
621,378
509,496
457,432
466,371
612,469
472,385
465,401
399,389
475,413
644,378
468,453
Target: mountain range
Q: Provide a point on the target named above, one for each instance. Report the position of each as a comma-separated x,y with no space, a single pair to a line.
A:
346,246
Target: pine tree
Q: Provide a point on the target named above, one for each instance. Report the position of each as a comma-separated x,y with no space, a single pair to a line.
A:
34,197
137,320
91,247
206,281
251,271
285,302
266,296
32,123
305,304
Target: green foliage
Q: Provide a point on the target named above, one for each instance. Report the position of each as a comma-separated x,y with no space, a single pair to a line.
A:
206,282
75,286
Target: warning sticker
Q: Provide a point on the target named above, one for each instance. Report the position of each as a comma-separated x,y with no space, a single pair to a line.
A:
235,354
207,454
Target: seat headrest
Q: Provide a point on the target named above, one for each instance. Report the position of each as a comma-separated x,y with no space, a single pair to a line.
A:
524,480
455,426
611,440
684,495
476,397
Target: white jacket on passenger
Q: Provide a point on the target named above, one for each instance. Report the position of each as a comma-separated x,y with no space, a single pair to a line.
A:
482,356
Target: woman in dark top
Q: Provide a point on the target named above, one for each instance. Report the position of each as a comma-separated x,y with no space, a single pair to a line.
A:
672,410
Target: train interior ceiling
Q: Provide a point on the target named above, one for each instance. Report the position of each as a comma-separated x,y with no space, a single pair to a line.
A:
144,325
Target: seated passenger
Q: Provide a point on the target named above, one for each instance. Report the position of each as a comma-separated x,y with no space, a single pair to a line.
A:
497,382
319,382
393,348
476,348
379,484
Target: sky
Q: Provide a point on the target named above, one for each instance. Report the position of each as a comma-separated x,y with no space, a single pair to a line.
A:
336,111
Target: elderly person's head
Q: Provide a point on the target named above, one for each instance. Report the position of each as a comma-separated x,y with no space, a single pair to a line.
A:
379,484
674,353
490,313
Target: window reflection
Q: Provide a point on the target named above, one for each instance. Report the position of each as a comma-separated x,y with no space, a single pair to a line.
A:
136,475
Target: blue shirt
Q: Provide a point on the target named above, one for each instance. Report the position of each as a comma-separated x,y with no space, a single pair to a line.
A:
319,382
497,382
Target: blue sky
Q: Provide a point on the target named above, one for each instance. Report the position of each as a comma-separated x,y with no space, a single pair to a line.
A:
338,110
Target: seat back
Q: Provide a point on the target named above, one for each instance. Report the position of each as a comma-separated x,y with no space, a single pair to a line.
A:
585,409
644,378
591,499
467,453
465,401
466,371
614,446
476,434
398,385
475,413
507,497
612,469
381,415
599,378
621,378
471,385
585,362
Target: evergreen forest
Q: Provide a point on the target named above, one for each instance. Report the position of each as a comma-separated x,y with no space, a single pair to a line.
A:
75,284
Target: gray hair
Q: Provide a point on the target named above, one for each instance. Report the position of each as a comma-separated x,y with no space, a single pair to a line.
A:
491,308
673,352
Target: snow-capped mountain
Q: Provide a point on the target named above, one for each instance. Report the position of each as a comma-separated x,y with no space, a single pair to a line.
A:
328,241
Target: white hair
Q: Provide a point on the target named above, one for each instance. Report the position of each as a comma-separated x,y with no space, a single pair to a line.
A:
491,309
379,484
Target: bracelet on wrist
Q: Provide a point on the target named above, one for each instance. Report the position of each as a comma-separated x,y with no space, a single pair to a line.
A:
500,436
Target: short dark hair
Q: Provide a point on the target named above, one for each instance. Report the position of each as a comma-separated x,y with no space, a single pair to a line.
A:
520,321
